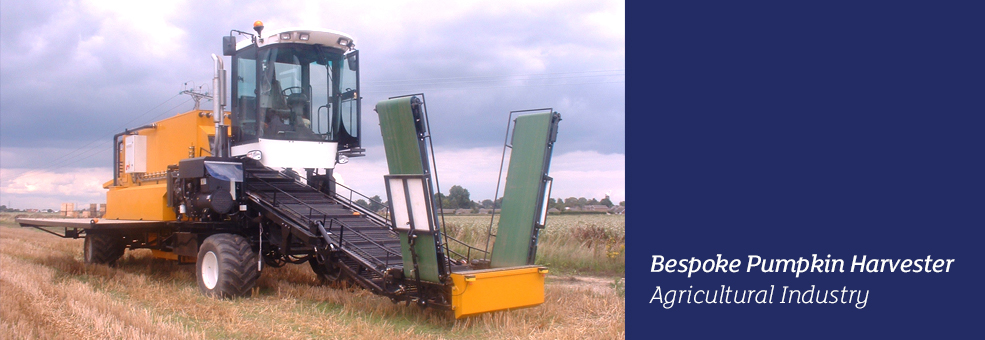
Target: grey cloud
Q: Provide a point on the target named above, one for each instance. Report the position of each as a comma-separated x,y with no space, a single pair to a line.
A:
64,89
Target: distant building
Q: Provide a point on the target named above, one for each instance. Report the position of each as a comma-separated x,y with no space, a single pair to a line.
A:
596,208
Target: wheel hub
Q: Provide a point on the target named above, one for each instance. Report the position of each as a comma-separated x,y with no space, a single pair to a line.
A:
210,270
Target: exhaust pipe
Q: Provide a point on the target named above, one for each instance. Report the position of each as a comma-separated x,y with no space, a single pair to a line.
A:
220,148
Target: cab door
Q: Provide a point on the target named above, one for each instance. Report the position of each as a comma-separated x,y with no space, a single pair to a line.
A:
347,124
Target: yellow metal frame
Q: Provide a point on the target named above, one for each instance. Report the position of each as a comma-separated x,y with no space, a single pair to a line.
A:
480,291
172,256
145,202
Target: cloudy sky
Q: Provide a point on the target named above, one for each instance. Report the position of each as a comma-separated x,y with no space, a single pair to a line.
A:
73,73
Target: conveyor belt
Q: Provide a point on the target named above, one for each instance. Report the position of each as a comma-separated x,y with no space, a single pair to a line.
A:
363,237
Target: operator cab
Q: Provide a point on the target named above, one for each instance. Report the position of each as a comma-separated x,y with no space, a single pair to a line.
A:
295,98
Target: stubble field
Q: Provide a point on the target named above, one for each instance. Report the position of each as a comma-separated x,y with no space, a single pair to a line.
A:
47,292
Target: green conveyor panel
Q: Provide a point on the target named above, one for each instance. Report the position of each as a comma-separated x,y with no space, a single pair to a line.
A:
403,153
404,157
529,159
426,254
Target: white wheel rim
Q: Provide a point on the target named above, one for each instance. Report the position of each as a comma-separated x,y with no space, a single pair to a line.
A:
210,270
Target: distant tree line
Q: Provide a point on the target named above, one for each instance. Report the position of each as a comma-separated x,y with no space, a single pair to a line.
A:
375,203
458,198
581,202
3,208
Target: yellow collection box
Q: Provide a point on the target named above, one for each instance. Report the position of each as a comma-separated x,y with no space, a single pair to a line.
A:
487,290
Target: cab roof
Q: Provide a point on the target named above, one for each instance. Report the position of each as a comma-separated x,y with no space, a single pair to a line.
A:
314,36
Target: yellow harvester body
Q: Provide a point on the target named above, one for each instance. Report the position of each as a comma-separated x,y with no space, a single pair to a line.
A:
143,196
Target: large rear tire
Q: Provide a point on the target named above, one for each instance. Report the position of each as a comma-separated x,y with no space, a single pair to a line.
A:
102,248
226,266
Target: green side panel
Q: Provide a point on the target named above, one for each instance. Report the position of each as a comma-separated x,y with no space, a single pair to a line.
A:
403,153
427,257
524,183
403,157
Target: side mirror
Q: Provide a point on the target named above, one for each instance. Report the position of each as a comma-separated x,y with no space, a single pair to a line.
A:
228,45
353,61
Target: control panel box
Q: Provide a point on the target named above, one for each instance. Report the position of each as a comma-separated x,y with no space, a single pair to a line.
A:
135,154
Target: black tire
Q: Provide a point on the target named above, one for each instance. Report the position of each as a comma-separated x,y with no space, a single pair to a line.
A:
226,266
100,248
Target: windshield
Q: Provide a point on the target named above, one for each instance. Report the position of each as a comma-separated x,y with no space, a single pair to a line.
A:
299,92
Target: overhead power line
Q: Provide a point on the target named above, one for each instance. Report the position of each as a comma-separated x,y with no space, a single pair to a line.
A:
502,77
453,87
59,159
97,145
479,81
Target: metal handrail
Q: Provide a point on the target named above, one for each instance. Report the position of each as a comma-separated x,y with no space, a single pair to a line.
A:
363,236
349,202
467,257
342,226
299,201
358,254
365,257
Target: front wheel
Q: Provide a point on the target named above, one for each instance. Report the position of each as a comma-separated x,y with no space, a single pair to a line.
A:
226,266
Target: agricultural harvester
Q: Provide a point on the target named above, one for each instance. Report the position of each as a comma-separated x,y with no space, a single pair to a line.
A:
193,190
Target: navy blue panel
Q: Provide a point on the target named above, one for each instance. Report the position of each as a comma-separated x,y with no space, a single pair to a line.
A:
784,130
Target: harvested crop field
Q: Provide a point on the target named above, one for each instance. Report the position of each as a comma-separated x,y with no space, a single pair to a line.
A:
47,292
592,245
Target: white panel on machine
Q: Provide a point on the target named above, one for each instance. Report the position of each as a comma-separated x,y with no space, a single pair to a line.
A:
291,153
419,204
401,219
135,154
415,214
